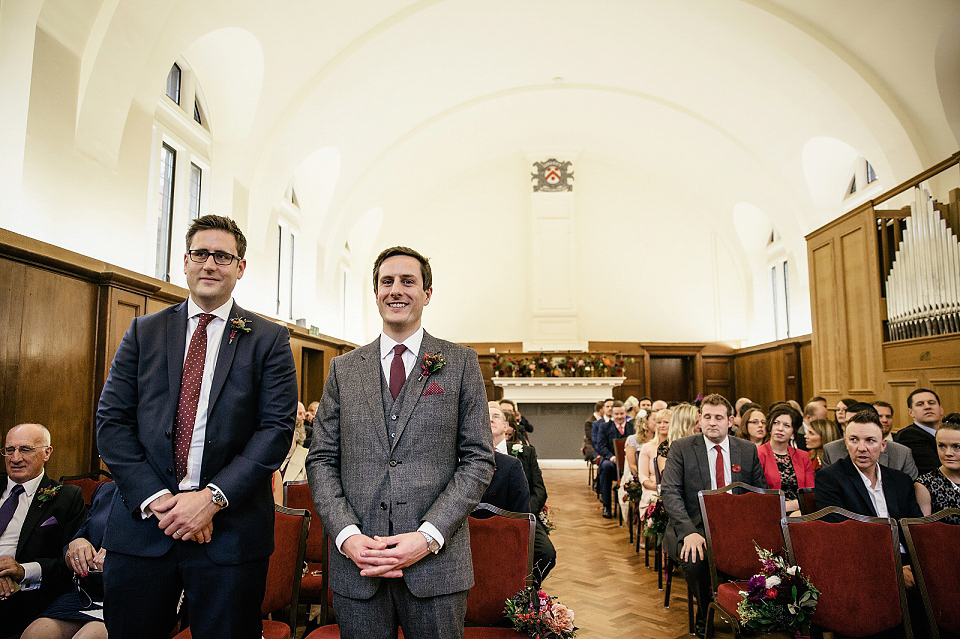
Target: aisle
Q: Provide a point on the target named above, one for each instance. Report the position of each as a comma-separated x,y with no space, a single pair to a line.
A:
598,574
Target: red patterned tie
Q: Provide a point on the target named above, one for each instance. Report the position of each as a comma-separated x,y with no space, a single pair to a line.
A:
397,374
720,481
189,395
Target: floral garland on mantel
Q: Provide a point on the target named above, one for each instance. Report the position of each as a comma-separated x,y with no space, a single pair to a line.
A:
573,365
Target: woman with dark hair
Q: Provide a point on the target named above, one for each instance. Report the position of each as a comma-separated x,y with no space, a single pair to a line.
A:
785,467
940,488
841,412
753,426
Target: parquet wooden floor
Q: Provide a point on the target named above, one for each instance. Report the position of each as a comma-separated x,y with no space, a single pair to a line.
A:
600,577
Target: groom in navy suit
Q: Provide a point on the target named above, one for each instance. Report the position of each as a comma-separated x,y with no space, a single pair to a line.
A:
197,413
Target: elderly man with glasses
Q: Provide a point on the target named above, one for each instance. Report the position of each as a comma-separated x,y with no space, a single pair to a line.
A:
38,517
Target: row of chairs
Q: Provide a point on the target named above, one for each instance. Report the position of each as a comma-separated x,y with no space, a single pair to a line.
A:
854,563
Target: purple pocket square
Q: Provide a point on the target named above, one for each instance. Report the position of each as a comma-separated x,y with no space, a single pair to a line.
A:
434,389
50,522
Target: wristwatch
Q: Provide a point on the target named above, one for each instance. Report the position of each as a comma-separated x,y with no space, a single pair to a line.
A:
218,497
432,544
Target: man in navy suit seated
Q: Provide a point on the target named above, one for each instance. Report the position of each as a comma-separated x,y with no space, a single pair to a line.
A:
607,468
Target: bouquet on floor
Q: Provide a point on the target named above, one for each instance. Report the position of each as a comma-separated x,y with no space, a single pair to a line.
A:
779,599
539,615
654,519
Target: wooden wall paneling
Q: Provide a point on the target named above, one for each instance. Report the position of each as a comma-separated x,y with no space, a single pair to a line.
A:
827,312
900,389
807,390
56,373
761,376
296,347
791,368
861,348
312,365
948,389
11,319
156,305
718,376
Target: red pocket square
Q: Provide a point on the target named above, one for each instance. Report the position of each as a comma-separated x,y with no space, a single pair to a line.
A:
434,389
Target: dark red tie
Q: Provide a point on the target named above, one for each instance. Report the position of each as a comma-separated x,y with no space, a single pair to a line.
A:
720,481
10,506
189,396
397,374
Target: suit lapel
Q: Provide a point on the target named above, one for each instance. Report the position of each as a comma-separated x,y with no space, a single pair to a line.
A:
228,348
370,373
34,513
413,387
176,347
703,462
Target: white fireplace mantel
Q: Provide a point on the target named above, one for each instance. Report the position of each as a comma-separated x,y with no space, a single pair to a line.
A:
557,390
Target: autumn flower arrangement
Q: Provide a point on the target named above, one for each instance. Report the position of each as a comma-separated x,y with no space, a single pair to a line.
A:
778,599
539,615
432,362
633,490
46,494
582,365
238,324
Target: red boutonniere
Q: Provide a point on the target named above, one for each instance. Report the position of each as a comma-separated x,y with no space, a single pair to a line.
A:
736,468
432,362
237,324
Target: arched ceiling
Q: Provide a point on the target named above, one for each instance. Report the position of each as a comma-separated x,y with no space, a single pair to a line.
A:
713,100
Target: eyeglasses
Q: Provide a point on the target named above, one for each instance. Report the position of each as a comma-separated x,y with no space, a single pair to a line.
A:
219,257
23,450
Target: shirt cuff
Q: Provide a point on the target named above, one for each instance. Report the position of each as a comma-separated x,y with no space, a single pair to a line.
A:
349,531
431,530
32,574
145,511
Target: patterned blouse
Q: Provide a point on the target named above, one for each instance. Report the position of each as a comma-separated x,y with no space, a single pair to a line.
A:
943,493
788,476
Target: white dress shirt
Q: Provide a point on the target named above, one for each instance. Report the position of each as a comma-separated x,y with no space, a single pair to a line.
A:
712,460
10,538
409,358
502,446
215,331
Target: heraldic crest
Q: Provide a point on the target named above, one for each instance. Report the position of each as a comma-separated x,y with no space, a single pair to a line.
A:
552,176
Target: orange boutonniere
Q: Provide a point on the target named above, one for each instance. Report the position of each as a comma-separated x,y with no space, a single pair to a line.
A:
46,494
432,362
238,324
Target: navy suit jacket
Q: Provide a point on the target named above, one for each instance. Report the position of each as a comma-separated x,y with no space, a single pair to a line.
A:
923,445
508,488
608,433
250,420
595,430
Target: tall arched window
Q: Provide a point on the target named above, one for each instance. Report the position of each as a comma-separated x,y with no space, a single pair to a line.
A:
180,165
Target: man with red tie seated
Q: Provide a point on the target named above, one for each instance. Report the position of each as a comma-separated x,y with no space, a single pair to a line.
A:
607,466
707,461
196,414
38,517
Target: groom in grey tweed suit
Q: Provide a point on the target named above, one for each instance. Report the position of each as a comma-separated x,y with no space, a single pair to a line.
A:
401,454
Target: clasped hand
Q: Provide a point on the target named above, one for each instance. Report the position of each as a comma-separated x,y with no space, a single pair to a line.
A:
186,516
11,574
385,556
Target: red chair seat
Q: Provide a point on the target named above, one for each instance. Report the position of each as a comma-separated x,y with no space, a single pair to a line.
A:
728,596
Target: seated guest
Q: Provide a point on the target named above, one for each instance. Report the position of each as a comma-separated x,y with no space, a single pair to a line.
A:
812,411
293,467
38,517
587,449
509,404
606,453
631,404
920,436
77,614
885,411
702,462
940,488
544,554
302,418
631,453
508,488
820,432
894,455
605,416
858,482
741,405
785,467
646,404
648,470
841,412
684,421
753,426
